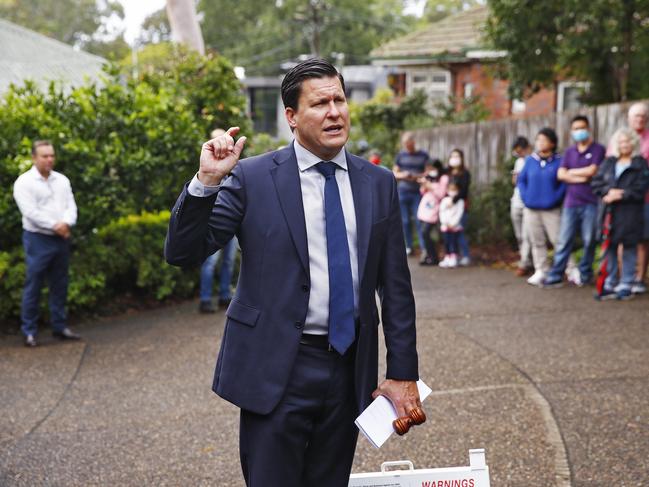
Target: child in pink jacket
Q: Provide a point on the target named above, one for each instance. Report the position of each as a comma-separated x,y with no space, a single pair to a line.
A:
433,190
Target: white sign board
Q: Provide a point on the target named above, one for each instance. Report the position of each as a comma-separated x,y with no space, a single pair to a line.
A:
475,475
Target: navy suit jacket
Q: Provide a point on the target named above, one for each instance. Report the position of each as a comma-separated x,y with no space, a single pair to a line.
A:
261,203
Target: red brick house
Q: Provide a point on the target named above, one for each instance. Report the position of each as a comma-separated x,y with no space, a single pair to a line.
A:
449,58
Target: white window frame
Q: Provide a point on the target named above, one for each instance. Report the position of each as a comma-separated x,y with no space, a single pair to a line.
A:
561,91
428,86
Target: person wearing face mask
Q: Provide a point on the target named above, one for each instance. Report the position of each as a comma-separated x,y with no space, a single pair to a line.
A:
542,194
622,181
460,175
579,164
433,190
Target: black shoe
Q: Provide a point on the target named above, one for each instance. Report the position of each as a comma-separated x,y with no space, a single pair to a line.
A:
66,334
30,341
206,307
224,302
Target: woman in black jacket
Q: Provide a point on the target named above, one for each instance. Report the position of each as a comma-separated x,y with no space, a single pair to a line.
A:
622,182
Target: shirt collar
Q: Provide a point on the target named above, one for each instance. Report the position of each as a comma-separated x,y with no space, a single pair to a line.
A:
306,159
547,159
38,175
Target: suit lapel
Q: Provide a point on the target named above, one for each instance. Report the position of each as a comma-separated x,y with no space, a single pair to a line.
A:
286,177
362,192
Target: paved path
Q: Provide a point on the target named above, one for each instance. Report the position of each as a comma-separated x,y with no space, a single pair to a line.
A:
552,384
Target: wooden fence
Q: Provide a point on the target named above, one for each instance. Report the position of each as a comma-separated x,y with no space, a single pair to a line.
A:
487,145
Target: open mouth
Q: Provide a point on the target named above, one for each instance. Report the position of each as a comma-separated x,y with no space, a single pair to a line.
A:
334,129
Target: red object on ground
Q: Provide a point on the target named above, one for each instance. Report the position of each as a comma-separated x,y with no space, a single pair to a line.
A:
606,243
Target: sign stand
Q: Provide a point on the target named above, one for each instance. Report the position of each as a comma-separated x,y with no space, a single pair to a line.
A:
475,475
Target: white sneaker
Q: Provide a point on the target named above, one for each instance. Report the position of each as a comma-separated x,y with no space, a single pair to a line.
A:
465,261
537,278
574,276
452,261
444,262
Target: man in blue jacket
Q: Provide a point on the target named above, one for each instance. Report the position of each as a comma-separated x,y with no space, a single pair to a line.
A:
542,194
320,234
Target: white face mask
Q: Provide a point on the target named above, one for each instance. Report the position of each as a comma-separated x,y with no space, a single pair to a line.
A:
452,194
454,161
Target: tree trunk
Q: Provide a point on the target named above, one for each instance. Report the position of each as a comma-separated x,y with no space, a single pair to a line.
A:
184,24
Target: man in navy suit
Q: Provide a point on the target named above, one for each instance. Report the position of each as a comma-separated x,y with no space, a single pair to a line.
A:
320,234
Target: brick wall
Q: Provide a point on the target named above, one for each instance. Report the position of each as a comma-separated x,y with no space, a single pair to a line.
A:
493,92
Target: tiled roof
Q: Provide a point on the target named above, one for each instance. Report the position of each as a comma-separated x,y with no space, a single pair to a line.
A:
25,54
452,36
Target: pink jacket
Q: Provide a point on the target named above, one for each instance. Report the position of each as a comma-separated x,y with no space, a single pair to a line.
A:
428,211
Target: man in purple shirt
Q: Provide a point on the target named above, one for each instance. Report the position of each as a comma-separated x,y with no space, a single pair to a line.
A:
579,165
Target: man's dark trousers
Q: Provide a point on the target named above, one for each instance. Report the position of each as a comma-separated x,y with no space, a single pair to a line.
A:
47,258
310,437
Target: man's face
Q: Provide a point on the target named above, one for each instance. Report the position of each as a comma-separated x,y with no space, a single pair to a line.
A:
321,120
409,144
638,118
44,159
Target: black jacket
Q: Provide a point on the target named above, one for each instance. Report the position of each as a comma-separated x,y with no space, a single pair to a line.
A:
627,214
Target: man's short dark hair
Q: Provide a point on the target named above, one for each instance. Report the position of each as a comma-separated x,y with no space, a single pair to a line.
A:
520,143
311,68
40,143
580,118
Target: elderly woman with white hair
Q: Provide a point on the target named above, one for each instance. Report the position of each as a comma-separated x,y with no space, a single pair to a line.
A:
622,181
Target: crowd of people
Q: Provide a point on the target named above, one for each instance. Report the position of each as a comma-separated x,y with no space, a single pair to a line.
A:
434,199
589,193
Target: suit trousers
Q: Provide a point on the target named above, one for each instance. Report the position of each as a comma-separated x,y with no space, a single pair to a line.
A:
309,439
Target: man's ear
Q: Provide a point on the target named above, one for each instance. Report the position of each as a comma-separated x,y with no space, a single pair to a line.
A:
290,117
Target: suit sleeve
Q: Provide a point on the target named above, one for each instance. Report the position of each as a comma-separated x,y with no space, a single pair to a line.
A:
397,300
199,226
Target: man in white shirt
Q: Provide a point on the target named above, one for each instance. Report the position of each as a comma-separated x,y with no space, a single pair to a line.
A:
47,205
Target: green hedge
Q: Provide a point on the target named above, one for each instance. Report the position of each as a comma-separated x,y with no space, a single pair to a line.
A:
127,145
124,257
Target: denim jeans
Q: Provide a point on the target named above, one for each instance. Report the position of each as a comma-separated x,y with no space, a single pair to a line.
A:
227,266
47,258
451,241
579,218
461,237
409,203
612,282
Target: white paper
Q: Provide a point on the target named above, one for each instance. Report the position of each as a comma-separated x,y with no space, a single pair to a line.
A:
376,421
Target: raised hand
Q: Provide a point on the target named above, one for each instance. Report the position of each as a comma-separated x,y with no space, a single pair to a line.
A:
219,156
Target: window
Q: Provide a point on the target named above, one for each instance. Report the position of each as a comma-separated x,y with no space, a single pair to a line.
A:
434,82
263,109
468,90
570,93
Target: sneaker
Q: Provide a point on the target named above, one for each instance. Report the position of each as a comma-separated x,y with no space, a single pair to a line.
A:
638,287
30,341
444,262
537,278
624,295
552,284
427,261
452,261
574,277
607,295
465,261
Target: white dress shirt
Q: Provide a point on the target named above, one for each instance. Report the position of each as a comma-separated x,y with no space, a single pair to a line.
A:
312,185
44,202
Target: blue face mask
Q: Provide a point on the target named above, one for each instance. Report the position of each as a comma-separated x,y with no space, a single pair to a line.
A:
580,135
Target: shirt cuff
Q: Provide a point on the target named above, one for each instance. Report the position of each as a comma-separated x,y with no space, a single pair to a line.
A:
196,188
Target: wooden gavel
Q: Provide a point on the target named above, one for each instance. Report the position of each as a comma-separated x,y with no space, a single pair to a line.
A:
403,424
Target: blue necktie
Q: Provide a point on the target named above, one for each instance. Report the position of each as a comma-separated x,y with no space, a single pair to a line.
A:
341,287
